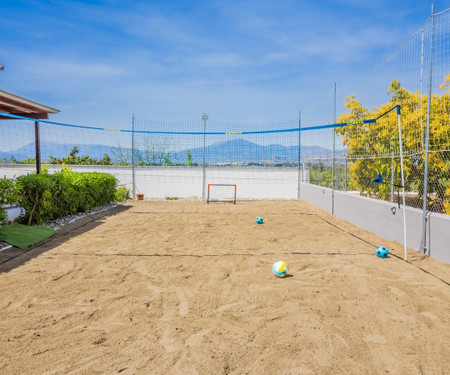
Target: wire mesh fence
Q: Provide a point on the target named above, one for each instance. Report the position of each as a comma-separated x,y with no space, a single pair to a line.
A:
416,76
347,157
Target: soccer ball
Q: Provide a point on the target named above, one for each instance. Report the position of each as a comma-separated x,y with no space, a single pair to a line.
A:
280,269
259,220
382,252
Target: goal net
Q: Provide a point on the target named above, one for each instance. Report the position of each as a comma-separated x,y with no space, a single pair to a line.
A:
221,193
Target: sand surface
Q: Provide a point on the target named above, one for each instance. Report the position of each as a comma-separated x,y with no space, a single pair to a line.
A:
186,288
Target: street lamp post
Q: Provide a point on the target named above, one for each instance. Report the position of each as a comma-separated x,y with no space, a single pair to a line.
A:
204,118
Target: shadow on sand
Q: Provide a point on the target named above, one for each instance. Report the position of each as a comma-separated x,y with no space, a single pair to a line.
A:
14,257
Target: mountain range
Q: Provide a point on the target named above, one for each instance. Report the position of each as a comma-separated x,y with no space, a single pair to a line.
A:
233,151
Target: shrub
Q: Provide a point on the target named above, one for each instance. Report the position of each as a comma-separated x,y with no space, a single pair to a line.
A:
8,196
122,193
36,198
45,196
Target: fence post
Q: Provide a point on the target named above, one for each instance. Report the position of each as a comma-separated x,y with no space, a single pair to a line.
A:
133,172
334,148
403,177
392,178
37,143
345,174
320,172
204,118
423,245
299,177
421,82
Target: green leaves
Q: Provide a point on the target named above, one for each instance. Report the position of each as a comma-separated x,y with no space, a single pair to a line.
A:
374,148
74,159
8,196
49,196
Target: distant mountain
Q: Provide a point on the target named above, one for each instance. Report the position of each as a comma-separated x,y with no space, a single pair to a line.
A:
242,151
60,150
233,151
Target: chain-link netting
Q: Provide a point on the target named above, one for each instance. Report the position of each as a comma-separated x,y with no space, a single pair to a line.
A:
415,77
361,155
215,143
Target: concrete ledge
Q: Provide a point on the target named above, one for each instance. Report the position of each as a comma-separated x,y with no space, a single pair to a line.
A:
376,216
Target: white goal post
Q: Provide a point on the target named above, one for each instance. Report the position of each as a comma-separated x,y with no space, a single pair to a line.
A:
221,193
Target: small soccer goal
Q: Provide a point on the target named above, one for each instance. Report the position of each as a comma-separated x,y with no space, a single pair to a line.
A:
221,193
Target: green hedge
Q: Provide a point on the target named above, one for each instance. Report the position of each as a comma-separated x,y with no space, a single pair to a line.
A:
50,196
8,196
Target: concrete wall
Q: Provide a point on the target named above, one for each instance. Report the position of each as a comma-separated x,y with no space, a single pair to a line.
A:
252,182
271,183
377,217
160,182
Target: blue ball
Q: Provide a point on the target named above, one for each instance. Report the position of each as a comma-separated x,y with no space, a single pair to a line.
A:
382,252
259,220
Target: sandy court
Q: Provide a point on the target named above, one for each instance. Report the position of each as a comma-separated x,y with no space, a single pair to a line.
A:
184,287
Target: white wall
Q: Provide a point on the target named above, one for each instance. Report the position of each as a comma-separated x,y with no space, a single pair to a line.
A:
160,182
376,216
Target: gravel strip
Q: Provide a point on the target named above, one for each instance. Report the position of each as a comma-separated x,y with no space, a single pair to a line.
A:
59,223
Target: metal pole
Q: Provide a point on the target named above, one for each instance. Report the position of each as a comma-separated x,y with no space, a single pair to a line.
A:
423,245
403,178
392,178
345,181
334,148
299,153
37,146
133,172
320,172
204,118
421,83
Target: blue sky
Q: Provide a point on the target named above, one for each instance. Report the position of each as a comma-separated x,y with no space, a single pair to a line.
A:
99,62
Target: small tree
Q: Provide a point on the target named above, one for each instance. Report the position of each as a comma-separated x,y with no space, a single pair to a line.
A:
189,159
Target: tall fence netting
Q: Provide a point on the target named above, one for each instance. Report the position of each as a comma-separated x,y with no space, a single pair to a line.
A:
351,157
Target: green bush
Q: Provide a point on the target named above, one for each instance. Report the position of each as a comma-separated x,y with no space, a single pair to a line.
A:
122,193
50,196
8,196
36,197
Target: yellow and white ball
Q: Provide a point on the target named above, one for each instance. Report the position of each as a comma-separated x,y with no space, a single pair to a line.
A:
280,269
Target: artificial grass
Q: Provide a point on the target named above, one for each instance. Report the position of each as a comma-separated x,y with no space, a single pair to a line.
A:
23,236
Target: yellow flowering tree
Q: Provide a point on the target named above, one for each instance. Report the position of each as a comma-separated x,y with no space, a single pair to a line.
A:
373,148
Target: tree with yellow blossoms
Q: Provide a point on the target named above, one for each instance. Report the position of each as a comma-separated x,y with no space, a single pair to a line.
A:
373,148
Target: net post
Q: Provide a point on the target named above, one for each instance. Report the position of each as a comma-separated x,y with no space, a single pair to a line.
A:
133,172
204,118
403,178
423,244
299,172
333,167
